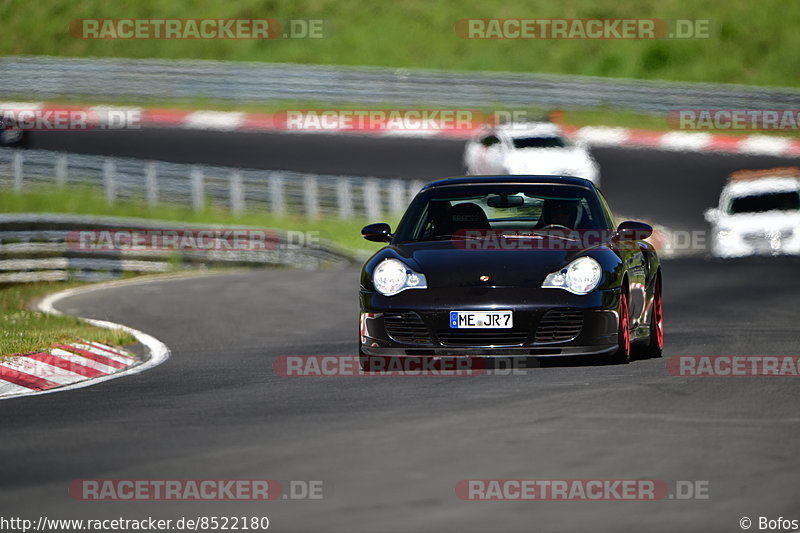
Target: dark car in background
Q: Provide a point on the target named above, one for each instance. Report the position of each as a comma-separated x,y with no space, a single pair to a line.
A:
10,135
511,266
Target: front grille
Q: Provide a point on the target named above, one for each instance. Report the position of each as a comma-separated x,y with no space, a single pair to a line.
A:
559,325
767,241
482,338
767,235
406,327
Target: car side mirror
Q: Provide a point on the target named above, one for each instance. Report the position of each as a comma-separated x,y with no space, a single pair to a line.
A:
630,230
711,215
380,232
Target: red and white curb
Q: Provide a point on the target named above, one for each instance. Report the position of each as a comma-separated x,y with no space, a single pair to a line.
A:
600,136
686,141
79,364
64,364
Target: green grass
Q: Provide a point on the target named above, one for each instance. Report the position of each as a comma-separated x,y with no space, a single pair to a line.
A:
90,201
23,330
752,42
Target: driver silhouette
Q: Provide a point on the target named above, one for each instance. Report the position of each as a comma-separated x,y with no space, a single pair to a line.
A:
558,213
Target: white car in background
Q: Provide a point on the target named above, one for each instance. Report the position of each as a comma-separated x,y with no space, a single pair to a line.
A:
758,214
538,148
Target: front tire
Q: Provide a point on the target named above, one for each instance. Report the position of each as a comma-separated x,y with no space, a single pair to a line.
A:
655,345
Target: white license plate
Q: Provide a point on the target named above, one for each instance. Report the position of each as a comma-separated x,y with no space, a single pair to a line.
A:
481,319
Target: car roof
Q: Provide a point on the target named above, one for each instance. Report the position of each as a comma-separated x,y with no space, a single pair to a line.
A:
778,172
530,129
515,179
761,185
765,180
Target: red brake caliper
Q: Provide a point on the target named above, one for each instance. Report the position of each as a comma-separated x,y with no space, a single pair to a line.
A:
659,320
624,321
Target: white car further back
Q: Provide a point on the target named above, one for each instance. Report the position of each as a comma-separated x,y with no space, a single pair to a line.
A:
532,148
758,214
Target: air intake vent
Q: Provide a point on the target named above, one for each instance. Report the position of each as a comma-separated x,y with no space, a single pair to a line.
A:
559,325
483,338
406,327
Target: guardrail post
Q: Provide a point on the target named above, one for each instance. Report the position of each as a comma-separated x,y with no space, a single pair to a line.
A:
236,192
110,180
151,183
17,164
311,197
397,196
277,203
196,176
61,170
344,197
372,199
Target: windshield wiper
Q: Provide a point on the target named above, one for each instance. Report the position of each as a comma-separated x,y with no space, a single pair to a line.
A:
563,237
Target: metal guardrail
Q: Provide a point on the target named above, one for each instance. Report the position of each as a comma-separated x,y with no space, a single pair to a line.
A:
45,247
276,192
147,79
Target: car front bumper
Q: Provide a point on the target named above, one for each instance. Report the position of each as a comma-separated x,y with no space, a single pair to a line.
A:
547,322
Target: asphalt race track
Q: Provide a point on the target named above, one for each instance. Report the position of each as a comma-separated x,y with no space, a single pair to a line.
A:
390,450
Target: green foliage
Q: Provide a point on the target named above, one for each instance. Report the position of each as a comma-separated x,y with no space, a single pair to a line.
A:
751,42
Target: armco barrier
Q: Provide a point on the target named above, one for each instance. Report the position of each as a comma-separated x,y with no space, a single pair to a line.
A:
153,79
43,247
277,192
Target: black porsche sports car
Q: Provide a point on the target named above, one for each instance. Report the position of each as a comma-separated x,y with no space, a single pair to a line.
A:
513,266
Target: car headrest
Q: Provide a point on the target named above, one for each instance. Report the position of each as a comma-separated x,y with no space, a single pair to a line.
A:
469,216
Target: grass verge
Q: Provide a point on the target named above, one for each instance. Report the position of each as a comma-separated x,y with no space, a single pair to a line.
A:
749,42
23,330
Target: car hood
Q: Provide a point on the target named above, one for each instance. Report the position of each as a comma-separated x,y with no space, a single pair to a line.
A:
553,161
449,264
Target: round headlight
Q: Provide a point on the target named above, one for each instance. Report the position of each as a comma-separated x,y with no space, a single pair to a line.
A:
389,277
583,275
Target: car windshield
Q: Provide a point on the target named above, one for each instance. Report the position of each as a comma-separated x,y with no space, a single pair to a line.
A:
448,212
540,142
761,203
